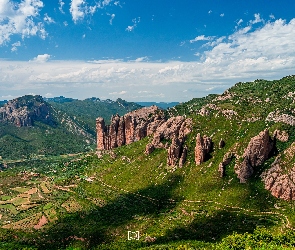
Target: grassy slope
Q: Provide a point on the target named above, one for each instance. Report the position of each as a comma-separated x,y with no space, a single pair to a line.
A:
86,111
189,206
42,139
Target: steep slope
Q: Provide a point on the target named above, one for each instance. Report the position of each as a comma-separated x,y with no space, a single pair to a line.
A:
30,126
98,202
86,111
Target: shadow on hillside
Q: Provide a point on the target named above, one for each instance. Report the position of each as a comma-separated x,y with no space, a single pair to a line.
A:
214,228
95,226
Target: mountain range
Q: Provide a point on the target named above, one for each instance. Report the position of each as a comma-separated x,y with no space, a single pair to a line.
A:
213,173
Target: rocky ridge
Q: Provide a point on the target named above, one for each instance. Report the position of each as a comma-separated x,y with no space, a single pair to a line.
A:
129,128
23,111
279,180
143,122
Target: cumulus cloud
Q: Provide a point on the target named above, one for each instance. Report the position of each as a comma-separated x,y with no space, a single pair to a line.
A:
20,19
15,45
245,55
77,9
201,38
42,58
222,14
257,19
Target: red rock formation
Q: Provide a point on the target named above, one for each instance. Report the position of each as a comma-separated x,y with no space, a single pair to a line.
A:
281,135
143,122
149,148
256,153
203,147
127,129
280,180
183,156
227,158
175,151
174,127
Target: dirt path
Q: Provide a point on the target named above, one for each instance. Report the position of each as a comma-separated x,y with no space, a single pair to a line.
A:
285,221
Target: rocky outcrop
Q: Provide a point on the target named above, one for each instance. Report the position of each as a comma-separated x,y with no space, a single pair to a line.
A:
144,122
23,111
225,161
256,153
279,182
276,116
175,151
281,135
129,128
175,129
203,147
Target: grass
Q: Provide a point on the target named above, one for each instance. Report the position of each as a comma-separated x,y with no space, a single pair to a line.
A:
182,208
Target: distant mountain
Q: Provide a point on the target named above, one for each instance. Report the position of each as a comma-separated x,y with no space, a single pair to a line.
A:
163,105
219,173
29,125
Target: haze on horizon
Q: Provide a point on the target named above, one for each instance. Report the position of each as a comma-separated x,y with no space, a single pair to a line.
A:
159,51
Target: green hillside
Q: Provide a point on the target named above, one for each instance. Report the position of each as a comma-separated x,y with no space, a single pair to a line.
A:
92,203
86,111
71,130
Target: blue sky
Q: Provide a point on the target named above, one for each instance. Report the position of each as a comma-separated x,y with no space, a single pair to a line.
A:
142,50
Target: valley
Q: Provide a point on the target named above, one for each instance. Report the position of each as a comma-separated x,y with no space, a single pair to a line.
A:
231,195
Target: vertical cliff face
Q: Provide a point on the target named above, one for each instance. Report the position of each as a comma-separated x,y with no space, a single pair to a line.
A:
23,111
144,122
129,128
203,147
256,153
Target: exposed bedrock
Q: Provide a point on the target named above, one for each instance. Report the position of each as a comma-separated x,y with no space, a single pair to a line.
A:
280,178
257,152
203,148
129,128
175,129
144,122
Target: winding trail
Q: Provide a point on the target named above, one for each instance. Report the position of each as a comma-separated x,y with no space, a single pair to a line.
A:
285,221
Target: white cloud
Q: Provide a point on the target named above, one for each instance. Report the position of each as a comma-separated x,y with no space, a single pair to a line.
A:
48,19
239,22
141,59
42,58
112,18
20,19
83,36
77,9
80,8
132,27
257,19
210,11
201,38
15,45
247,54
271,16
61,4
222,15
123,92
106,2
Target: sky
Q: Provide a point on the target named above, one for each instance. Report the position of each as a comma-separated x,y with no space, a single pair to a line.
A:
142,50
